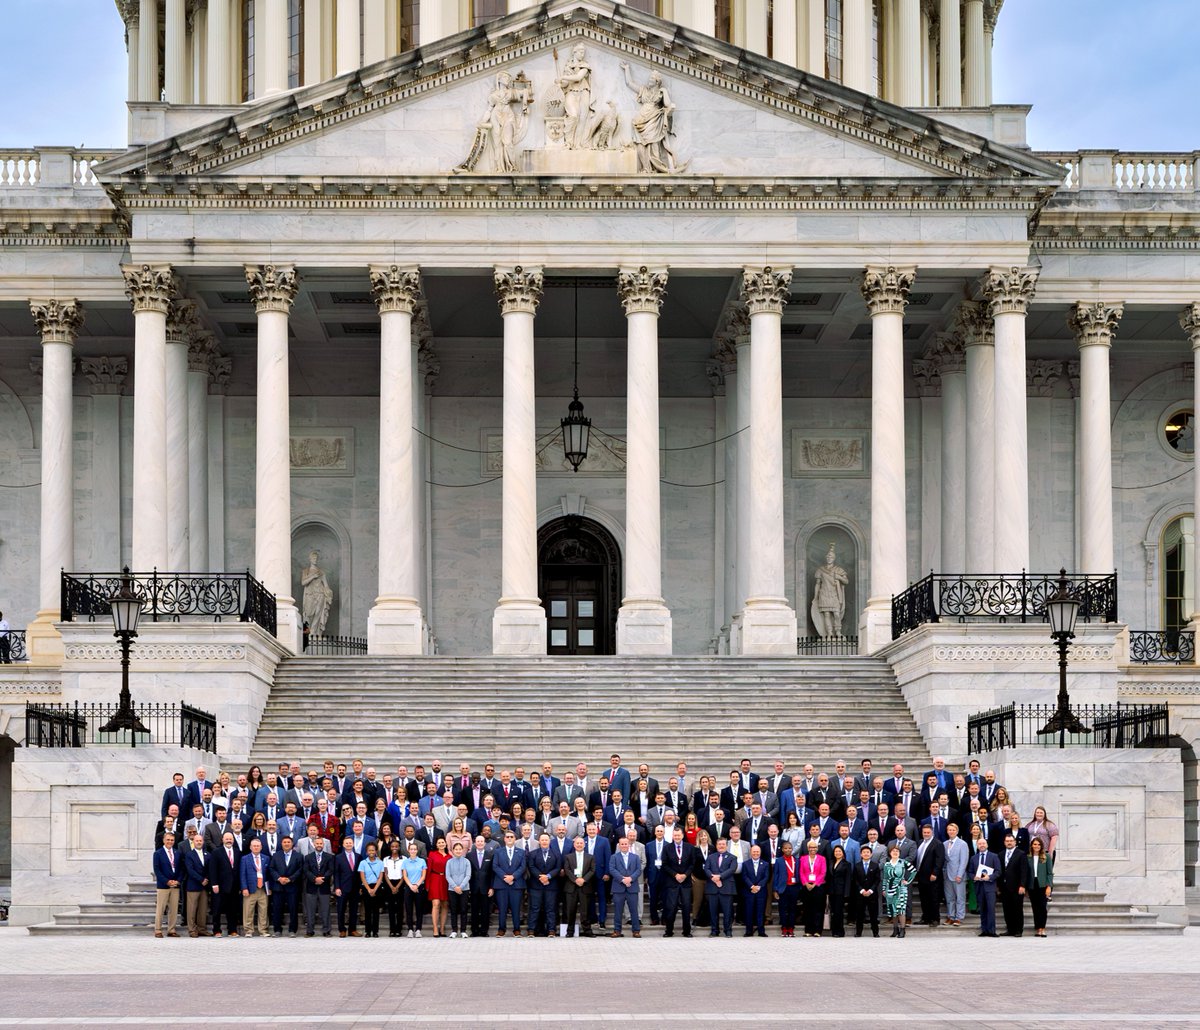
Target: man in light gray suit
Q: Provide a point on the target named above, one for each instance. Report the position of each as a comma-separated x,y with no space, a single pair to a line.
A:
768,799
565,818
626,871
567,791
958,854
904,819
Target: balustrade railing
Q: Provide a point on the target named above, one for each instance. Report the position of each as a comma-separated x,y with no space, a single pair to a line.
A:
12,647
827,647
80,725
1161,646
335,646
52,166
1128,171
170,596
1110,726
998,597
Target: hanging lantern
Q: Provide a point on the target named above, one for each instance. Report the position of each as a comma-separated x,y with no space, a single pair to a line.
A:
576,427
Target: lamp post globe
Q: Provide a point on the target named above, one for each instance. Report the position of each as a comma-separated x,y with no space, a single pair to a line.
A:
126,608
1062,611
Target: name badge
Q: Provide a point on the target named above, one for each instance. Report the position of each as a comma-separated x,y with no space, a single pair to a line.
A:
812,877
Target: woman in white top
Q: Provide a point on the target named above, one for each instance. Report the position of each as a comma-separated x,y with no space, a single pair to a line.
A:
393,887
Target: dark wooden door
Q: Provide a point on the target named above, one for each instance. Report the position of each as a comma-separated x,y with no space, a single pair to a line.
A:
573,598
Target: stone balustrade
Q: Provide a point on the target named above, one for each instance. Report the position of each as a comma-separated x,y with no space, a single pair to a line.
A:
51,166
1128,171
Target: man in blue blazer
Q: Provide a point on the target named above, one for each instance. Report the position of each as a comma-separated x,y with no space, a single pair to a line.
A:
720,887
656,848
618,778
677,883
255,882
195,887
544,864
626,872
196,789
287,875
508,882
598,846
756,876
984,870
345,888
176,794
168,873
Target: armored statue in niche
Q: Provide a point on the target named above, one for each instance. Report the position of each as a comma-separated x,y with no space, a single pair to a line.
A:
502,128
318,595
828,607
652,125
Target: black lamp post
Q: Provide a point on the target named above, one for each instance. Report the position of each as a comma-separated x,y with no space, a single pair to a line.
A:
126,611
1063,611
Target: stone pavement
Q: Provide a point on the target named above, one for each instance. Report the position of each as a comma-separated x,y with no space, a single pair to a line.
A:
142,982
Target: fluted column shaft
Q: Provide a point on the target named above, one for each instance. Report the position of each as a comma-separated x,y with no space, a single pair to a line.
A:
975,91
729,497
954,463
643,622
395,624
909,44
149,288
745,362
175,62
886,293
1189,321
519,622
273,288
1094,326
768,623
217,60
856,46
271,65
1009,291
348,49
179,322
197,462
979,344
148,87
950,61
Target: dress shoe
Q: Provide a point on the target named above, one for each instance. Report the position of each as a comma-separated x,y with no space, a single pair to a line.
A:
355,933
713,933
341,933
669,933
615,934
588,933
637,933
858,932
688,933
762,933
309,933
874,933
728,933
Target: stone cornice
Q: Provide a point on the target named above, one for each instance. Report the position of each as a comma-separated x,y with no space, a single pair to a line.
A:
766,289
642,289
272,287
395,288
519,289
58,321
885,289
149,287
1094,324
1009,290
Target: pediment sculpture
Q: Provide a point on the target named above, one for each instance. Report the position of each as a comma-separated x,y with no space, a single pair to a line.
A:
581,132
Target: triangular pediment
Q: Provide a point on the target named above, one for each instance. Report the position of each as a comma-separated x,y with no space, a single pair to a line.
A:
445,110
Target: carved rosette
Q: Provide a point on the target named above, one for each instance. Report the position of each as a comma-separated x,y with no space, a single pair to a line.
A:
1094,324
59,321
885,289
395,288
181,320
202,347
149,287
272,287
519,289
766,290
1189,322
1009,290
106,375
642,290
974,323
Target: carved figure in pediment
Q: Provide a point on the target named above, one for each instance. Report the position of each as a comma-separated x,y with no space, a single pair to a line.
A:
652,125
575,81
502,128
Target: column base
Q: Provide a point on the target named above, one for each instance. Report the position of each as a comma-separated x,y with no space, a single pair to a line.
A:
519,629
43,642
768,628
644,628
395,629
289,625
875,625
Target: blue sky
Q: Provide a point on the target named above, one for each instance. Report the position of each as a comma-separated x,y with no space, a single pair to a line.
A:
1102,74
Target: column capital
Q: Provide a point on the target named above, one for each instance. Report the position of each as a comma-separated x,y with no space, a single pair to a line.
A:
130,11
1189,322
519,289
1041,375
220,369
950,353
202,347
766,289
181,320
642,289
272,287
885,288
974,323
927,375
59,321
1094,324
107,375
395,288
149,287
1009,290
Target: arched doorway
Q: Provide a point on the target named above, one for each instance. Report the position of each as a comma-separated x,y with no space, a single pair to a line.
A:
579,582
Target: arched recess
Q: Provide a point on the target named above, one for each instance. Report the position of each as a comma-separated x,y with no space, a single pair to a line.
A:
579,582
1151,549
807,542
327,534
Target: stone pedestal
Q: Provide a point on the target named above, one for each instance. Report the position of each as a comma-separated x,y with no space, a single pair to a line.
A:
643,628
767,629
398,630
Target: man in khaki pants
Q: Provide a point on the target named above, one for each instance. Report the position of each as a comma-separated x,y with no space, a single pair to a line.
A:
195,887
166,881
255,890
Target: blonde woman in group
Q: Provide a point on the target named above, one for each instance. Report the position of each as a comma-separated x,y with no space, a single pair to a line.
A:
703,850
458,835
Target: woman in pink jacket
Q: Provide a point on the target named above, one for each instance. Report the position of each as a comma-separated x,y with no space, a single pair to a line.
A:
812,889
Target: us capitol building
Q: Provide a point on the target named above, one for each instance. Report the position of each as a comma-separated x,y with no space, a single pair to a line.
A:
680,336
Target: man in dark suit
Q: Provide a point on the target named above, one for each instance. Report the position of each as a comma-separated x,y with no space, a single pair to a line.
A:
720,888
1014,880
820,795
931,859
626,872
578,883
756,876
732,794
222,867
656,847
176,794
168,874
550,782
618,777
749,780
543,866
508,882
984,869
864,890
196,789
597,844
287,874
480,860
345,889
318,888
195,888
677,883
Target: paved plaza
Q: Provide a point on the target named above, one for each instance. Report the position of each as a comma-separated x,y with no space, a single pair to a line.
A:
138,981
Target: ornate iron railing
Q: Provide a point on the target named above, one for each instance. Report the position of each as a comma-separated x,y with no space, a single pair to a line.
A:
1161,646
170,596
1112,726
998,597
12,646
827,647
79,725
325,646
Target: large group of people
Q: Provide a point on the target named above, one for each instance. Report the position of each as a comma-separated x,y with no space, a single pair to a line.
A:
586,853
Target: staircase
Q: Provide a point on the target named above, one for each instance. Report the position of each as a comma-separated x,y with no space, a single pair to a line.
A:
710,711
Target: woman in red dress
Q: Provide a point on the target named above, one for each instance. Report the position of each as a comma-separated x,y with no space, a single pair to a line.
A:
435,884
691,828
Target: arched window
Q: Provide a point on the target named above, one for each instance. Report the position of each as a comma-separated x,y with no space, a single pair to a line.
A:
1178,585
833,40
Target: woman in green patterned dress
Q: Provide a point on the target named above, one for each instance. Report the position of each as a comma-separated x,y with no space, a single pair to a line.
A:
897,875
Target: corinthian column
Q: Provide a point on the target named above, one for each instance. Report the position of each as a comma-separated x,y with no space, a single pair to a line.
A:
200,350
768,622
952,367
58,321
519,622
396,624
180,318
1094,325
149,288
1009,291
1189,321
273,288
886,292
644,622
979,345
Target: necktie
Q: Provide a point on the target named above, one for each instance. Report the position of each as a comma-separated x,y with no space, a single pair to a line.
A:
351,859
679,851
170,858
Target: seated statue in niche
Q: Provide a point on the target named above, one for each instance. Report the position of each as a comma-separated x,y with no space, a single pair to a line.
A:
318,595
828,607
